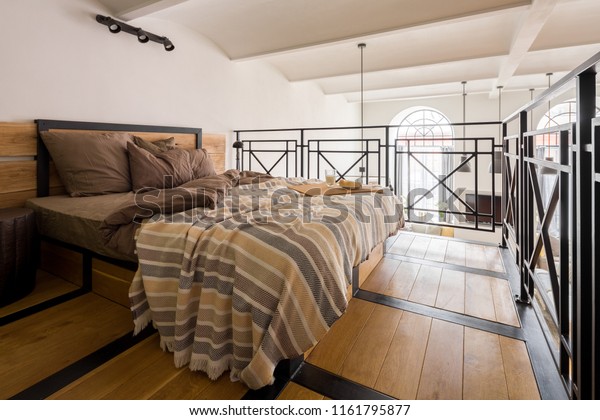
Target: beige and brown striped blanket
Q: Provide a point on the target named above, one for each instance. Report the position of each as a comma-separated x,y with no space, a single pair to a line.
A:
257,279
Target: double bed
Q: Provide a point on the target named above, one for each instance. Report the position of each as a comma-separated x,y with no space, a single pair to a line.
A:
236,270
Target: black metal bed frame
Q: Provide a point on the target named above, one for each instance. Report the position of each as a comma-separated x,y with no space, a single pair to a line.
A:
574,290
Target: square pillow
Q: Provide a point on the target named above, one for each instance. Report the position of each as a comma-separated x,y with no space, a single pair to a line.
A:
201,163
167,169
156,146
90,163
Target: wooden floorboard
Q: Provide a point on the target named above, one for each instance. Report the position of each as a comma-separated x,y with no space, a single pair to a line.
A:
456,254
504,304
520,379
442,374
39,345
436,250
484,377
402,244
381,275
403,281
418,247
479,300
294,391
426,285
374,340
332,350
451,293
401,370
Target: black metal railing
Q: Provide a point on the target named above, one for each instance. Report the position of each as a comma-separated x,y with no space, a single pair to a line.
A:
550,221
375,155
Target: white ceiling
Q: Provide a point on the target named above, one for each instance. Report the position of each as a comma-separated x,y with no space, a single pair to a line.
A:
414,48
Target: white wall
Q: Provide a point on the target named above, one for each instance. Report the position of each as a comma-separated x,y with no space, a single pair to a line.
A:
59,63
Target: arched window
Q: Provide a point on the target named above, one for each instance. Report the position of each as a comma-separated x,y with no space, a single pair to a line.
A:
562,113
424,123
423,137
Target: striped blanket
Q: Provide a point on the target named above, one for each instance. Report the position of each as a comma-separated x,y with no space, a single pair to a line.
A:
258,279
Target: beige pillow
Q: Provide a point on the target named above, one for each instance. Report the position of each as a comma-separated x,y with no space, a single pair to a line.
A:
90,163
156,146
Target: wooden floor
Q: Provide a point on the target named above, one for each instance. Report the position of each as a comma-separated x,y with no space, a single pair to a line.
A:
400,353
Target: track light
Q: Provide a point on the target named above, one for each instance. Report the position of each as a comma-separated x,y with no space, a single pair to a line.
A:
142,36
168,44
114,26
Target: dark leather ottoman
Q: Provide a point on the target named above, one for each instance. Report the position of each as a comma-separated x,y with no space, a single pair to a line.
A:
18,253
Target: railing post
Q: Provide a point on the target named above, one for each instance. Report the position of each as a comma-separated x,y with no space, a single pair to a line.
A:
302,153
525,213
583,284
505,188
386,156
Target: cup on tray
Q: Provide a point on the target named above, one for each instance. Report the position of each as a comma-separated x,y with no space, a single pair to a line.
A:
329,177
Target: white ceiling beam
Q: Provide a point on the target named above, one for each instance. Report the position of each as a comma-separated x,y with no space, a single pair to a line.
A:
532,24
365,37
145,8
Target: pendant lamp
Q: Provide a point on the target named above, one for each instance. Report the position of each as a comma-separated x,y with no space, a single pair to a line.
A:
497,154
466,167
544,170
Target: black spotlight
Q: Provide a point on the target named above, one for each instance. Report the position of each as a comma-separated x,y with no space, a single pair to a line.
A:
168,44
114,28
113,25
142,36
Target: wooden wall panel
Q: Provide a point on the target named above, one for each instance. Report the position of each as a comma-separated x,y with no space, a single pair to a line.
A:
16,199
18,139
17,176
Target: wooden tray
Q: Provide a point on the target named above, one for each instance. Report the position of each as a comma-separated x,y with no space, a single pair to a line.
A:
324,189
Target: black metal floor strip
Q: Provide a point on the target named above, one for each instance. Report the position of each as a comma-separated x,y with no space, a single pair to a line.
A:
544,366
454,317
64,377
7,319
334,386
455,267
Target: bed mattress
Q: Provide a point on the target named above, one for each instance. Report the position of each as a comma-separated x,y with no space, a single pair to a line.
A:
77,220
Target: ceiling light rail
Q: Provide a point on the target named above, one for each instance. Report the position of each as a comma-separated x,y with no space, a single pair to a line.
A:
115,26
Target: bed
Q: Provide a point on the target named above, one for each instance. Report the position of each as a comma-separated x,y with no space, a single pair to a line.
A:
258,275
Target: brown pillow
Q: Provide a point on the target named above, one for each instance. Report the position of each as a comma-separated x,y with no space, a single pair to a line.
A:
90,163
164,170
202,165
156,146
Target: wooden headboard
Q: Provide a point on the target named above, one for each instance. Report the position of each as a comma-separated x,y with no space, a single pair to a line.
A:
26,170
